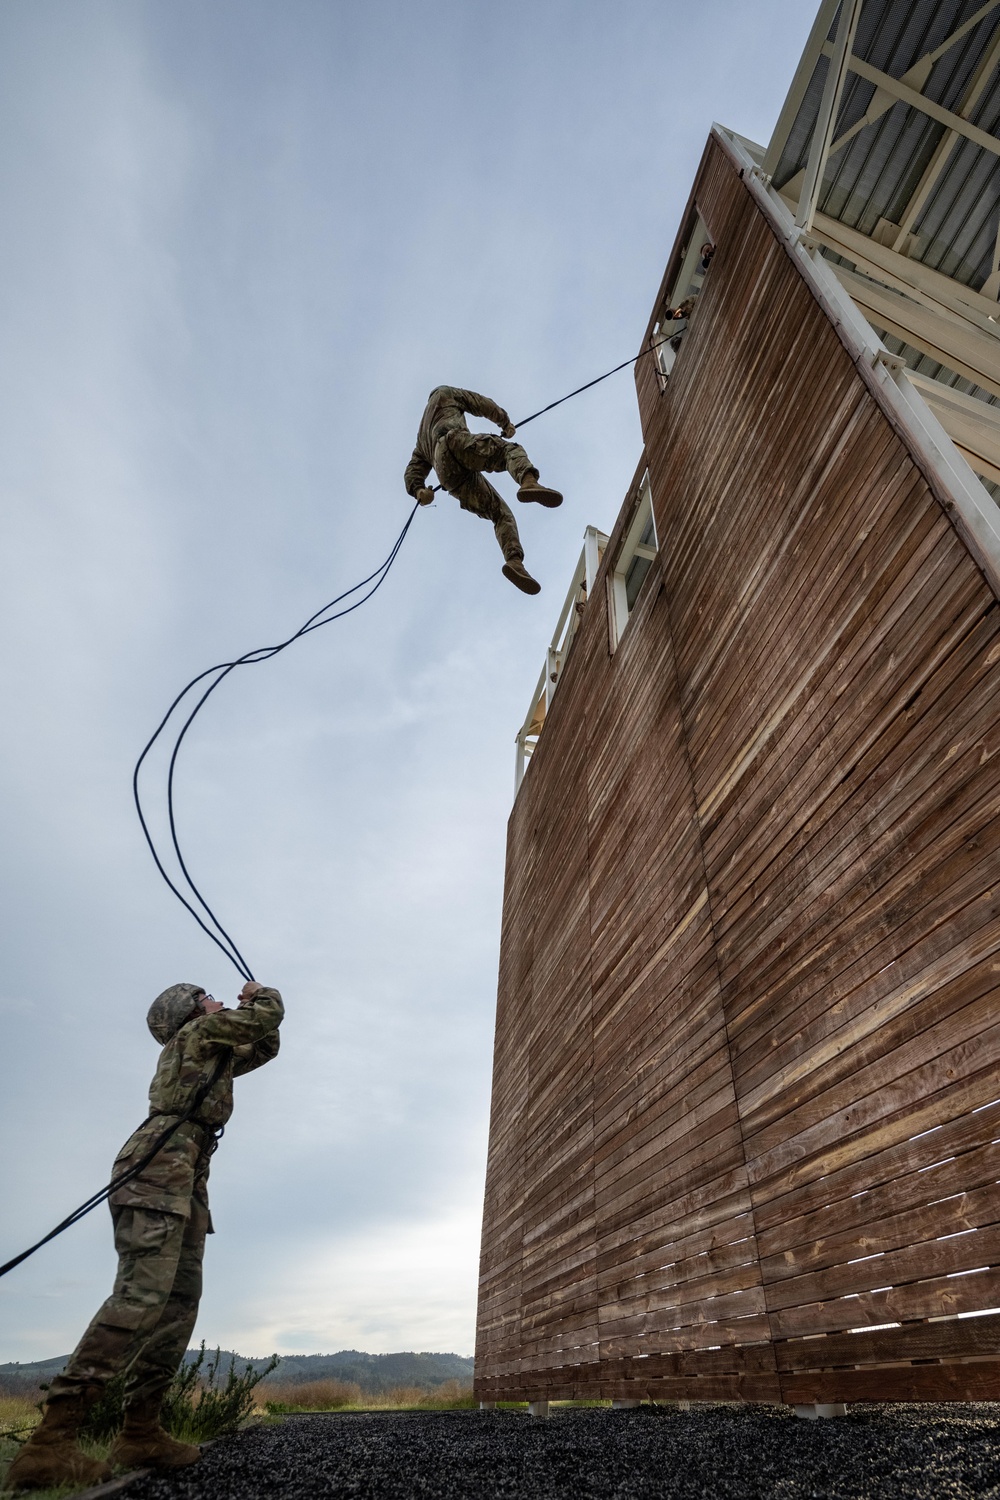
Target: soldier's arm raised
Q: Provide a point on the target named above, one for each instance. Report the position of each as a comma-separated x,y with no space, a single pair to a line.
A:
255,1019
256,1054
416,473
482,406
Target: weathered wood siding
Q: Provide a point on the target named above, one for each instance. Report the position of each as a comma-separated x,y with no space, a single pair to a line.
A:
746,1084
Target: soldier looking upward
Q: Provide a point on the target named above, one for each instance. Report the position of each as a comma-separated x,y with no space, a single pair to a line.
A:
460,458
160,1219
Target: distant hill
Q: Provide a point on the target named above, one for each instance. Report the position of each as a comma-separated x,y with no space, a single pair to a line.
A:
372,1372
376,1372
16,1377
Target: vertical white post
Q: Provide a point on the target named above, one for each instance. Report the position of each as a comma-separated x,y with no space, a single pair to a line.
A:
538,1408
553,666
819,147
591,557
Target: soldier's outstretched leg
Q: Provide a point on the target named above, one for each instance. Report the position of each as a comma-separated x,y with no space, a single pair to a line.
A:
149,1246
143,1440
479,496
531,490
149,1249
514,570
505,528
483,452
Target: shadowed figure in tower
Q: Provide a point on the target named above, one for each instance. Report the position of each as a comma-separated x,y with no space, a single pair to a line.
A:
460,458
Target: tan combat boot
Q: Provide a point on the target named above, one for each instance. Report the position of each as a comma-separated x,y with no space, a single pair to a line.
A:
142,1441
532,490
51,1455
519,576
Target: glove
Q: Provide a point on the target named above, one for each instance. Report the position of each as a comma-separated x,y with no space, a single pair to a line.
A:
508,429
424,496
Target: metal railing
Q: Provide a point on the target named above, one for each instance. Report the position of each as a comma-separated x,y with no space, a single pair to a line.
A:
580,590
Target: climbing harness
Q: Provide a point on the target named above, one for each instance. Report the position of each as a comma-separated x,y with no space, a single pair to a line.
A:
220,937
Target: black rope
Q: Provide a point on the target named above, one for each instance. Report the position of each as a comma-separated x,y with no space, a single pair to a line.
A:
590,383
260,653
581,388
220,937
134,1171
321,617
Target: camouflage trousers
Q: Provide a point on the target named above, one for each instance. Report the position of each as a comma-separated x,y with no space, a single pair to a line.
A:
461,458
145,1325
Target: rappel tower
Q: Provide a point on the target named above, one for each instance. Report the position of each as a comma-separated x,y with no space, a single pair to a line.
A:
746,1102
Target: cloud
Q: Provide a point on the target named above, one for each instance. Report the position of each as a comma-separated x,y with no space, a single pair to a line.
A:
415,1291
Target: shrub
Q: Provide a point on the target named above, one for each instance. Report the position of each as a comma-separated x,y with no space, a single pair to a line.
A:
200,1402
198,1406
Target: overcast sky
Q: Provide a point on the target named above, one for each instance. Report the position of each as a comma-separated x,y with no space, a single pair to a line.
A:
242,242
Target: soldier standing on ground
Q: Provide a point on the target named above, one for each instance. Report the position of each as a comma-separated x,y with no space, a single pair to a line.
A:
460,458
161,1218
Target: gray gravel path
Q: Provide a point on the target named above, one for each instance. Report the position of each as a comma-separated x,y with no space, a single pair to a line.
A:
941,1452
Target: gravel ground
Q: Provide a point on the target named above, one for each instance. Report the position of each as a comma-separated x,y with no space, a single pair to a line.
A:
941,1452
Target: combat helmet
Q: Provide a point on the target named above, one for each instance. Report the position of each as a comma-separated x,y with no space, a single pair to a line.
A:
170,1010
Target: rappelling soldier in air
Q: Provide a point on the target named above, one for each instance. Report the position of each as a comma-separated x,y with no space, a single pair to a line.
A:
460,458
160,1218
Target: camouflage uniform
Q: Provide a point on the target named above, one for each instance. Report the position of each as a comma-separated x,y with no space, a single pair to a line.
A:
161,1217
460,457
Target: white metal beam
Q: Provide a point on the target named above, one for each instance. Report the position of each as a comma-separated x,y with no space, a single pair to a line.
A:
931,287
916,100
915,76
972,425
945,339
880,104
822,136
948,141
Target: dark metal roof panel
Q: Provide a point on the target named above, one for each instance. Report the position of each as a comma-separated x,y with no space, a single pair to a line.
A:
959,221
873,176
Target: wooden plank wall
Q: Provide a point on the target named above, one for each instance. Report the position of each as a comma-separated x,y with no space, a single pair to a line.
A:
747,1036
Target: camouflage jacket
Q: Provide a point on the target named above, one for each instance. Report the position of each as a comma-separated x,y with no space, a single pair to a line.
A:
246,1038
445,411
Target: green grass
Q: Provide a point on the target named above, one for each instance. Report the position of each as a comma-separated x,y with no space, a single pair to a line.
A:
204,1401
